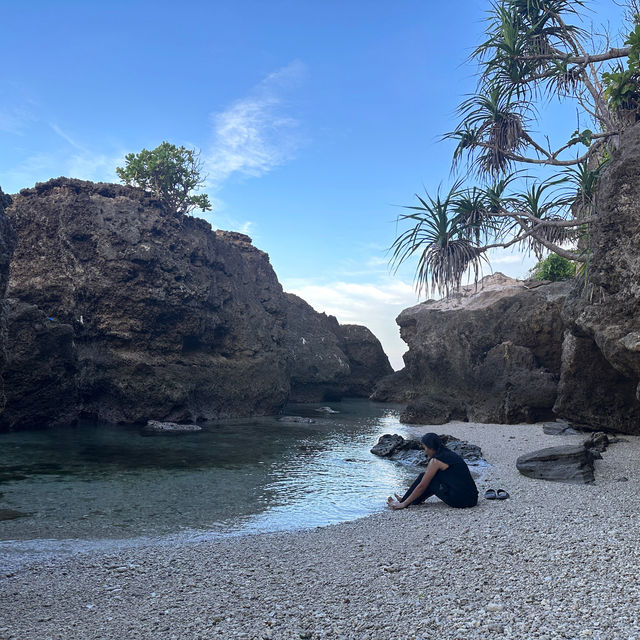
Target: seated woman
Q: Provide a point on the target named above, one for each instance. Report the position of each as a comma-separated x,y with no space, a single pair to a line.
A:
447,477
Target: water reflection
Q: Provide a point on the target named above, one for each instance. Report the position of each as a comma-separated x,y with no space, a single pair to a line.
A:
97,482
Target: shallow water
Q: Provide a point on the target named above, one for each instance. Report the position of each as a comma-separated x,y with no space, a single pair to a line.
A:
99,486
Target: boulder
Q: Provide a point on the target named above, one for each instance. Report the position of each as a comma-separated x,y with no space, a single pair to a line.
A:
489,353
598,441
170,320
569,463
155,427
387,444
325,410
558,428
410,451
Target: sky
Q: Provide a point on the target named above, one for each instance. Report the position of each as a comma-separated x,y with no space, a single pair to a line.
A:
316,120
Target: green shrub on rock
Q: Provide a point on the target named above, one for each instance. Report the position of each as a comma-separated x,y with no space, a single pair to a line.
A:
171,173
554,268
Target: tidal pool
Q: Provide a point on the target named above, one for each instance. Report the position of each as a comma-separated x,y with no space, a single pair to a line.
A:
96,486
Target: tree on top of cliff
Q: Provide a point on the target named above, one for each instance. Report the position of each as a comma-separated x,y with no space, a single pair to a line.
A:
527,191
171,173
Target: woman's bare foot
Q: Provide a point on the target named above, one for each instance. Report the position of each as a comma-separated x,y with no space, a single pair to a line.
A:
394,504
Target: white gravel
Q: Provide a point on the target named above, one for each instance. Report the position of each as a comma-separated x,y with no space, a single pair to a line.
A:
553,561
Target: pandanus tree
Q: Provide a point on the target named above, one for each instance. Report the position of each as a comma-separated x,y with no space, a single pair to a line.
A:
517,189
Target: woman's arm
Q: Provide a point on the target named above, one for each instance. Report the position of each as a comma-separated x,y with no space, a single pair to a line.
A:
432,468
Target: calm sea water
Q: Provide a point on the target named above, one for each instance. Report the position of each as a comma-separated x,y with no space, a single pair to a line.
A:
98,486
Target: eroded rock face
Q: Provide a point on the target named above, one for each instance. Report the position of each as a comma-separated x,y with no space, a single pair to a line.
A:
7,242
171,321
601,355
40,372
367,360
485,355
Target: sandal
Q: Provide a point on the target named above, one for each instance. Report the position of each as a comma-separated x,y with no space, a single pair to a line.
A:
502,494
490,494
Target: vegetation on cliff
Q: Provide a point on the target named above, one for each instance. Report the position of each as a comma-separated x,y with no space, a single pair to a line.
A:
536,52
554,268
171,173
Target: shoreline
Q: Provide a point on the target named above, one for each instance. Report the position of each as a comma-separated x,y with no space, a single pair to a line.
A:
553,561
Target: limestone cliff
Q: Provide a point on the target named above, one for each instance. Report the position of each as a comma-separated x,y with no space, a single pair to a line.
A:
40,371
170,320
601,352
490,354
7,241
569,350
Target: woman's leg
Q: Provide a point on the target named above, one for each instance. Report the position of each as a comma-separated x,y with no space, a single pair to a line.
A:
424,495
458,502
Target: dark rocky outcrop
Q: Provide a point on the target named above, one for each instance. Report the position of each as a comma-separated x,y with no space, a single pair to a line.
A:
410,451
40,372
367,360
7,242
330,360
510,351
486,355
171,320
567,463
601,353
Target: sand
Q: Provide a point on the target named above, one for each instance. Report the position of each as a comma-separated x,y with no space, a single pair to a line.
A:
553,561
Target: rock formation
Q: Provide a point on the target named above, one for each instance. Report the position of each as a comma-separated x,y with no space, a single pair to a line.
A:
330,360
410,451
40,372
7,241
514,354
572,464
601,352
490,354
169,319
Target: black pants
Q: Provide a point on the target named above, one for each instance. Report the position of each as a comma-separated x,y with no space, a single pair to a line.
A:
435,488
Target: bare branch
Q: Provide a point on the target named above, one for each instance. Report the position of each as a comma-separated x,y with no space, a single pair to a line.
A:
548,245
613,53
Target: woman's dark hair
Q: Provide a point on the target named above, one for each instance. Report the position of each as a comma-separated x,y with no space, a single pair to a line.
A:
431,441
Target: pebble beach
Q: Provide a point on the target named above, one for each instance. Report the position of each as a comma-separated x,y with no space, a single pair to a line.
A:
554,561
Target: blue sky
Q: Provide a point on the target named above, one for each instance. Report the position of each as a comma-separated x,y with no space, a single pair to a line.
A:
316,120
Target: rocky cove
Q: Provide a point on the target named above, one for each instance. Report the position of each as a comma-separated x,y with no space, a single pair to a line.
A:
117,313
120,311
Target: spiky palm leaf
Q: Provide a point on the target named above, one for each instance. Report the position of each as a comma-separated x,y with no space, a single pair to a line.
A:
441,242
582,183
494,125
520,33
540,202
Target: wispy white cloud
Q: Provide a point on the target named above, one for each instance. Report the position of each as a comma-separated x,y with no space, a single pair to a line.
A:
255,134
373,304
65,136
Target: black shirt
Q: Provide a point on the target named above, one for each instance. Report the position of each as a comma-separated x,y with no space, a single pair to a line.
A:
456,481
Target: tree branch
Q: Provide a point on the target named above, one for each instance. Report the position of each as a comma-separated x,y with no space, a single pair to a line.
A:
581,60
531,233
